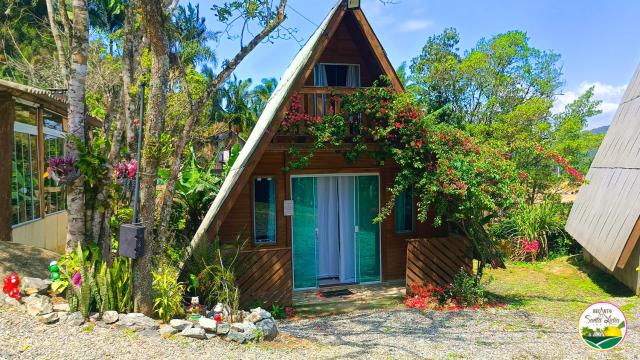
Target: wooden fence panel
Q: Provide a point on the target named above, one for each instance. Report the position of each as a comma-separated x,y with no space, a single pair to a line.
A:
265,275
437,260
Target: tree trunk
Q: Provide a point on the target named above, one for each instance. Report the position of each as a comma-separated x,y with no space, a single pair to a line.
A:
77,81
62,59
196,108
154,25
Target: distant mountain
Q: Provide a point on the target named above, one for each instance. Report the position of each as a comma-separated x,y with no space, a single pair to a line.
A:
600,130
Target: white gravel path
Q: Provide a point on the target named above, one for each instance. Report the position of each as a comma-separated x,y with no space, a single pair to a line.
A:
496,334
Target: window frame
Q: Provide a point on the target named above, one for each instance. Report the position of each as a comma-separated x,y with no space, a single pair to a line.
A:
29,130
343,64
253,211
40,132
413,215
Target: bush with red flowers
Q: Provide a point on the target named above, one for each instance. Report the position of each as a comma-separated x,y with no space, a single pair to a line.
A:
456,179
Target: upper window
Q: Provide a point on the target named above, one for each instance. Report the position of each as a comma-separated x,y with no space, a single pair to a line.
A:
336,75
404,211
264,210
52,121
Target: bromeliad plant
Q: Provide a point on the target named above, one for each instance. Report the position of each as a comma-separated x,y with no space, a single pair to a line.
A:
456,179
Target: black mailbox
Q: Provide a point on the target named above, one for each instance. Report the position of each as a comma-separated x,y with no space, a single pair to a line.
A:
131,242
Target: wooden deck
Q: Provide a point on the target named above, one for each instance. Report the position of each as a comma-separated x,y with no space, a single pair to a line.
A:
361,293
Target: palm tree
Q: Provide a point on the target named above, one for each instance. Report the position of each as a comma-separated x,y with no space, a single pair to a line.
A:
261,94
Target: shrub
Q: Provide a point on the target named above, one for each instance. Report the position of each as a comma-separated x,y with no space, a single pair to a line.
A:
464,291
168,292
532,229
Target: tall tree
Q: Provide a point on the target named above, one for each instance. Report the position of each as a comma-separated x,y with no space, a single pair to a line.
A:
154,24
76,231
502,91
62,58
255,11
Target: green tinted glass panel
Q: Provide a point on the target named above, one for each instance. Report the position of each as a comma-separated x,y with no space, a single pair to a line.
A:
368,235
304,232
404,211
264,210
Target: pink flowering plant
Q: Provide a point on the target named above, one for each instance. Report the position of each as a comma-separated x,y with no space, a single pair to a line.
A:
455,178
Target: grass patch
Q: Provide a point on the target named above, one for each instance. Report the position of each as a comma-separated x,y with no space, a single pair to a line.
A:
131,333
88,328
561,287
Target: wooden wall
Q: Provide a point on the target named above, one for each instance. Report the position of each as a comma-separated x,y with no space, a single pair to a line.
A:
240,218
266,275
6,139
437,260
348,46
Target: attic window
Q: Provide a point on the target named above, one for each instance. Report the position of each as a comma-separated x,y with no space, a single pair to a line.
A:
336,75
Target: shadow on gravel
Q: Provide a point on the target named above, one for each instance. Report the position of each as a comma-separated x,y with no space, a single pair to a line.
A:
25,260
399,332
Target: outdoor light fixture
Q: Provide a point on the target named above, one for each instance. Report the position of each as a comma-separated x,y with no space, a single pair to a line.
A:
353,4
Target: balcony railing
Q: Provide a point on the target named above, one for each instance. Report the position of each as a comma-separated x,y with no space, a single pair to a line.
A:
318,102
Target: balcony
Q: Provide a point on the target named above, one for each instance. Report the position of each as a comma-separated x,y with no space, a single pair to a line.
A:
317,102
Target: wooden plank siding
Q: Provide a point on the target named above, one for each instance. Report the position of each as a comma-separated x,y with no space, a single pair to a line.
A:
437,260
266,275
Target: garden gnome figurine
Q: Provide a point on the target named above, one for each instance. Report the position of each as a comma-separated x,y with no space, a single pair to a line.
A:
195,308
54,271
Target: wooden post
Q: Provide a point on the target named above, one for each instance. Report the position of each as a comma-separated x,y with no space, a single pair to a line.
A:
7,118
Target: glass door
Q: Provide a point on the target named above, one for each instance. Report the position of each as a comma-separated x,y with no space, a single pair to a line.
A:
367,233
304,231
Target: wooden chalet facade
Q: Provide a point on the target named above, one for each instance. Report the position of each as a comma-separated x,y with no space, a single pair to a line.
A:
33,123
313,227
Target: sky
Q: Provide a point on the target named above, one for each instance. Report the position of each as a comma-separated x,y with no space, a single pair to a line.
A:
597,39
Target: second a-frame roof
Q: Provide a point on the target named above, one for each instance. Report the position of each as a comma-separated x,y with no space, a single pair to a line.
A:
604,216
268,122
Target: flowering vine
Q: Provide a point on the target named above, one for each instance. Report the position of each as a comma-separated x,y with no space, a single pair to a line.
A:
454,177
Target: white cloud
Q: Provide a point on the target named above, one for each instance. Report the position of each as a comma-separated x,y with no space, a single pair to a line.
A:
414,25
610,95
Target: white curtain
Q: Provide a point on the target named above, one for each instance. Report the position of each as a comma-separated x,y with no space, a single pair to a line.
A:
320,75
327,222
353,76
346,208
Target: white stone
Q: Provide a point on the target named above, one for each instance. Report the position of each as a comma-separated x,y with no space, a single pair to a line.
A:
41,286
209,325
137,321
196,333
48,318
38,305
180,324
61,307
75,319
109,317
167,330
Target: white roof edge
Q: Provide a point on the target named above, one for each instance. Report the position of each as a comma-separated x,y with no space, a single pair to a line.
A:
261,128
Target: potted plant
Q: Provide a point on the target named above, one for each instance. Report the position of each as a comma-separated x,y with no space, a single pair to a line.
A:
63,169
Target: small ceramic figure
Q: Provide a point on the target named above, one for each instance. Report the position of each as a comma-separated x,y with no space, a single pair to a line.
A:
11,287
54,271
195,308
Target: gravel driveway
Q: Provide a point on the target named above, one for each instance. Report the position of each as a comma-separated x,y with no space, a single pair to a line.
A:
498,334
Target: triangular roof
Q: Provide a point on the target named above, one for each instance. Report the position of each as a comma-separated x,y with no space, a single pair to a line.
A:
604,218
267,124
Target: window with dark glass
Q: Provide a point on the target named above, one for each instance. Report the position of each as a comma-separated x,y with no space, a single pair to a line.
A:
54,194
264,210
336,75
404,211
